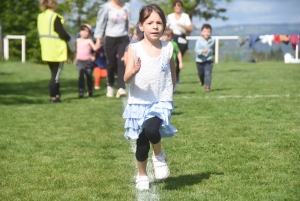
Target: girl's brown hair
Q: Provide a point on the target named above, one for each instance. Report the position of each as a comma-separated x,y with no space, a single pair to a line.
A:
175,2
47,4
147,10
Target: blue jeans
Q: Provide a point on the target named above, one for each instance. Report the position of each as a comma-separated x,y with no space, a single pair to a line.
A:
204,72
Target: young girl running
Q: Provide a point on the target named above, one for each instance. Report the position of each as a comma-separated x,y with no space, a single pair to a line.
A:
150,73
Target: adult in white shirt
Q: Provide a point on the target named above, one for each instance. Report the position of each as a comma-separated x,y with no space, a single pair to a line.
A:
180,23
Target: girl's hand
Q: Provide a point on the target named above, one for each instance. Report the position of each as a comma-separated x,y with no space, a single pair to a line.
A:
137,66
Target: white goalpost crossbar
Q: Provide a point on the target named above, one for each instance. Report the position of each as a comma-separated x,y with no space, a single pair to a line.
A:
6,45
217,38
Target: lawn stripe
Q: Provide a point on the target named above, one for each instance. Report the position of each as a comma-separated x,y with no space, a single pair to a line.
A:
151,194
239,96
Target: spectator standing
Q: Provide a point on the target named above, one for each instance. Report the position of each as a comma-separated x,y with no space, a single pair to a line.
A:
113,26
53,39
180,23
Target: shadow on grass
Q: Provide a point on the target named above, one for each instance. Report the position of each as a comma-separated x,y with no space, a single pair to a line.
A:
175,183
177,113
190,82
184,92
14,93
224,89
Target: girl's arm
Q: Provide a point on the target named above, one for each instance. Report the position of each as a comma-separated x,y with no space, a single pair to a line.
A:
179,56
173,72
93,45
131,69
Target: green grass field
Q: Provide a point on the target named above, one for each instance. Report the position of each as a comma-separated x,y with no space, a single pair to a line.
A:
241,141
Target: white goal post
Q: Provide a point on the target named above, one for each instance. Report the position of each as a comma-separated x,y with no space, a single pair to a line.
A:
6,45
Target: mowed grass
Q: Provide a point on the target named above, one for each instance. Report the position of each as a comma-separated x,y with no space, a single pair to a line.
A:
241,141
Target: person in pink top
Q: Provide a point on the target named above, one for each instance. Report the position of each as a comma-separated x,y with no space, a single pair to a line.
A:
84,60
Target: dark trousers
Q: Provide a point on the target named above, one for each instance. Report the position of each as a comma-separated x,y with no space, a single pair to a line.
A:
182,48
204,72
55,68
115,48
149,134
85,69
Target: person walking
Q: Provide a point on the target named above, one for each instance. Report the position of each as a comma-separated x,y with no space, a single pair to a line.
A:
150,73
180,23
53,39
113,25
84,60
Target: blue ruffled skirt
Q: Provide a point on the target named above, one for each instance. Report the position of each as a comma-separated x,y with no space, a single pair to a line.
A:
137,114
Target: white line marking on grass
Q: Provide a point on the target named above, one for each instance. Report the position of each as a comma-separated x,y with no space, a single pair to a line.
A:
147,195
239,96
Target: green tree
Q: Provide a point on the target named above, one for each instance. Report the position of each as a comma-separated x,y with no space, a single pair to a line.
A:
19,18
206,9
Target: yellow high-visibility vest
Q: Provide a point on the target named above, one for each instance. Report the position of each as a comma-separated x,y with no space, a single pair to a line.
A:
53,48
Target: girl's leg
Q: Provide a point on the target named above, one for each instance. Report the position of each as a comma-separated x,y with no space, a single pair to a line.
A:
97,74
177,70
103,74
150,133
89,79
159,159
141,154
81,80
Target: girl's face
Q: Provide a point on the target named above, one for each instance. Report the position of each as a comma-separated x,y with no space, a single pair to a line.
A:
177,8
152,27
84,33
206,33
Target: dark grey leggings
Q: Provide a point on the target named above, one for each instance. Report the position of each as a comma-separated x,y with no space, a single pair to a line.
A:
149,134
115,48
85,68
204,72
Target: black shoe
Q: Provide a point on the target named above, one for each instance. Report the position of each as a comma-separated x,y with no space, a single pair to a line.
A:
90,94
80,94
57,100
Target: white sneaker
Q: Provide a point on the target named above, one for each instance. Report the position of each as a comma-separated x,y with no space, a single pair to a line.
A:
97,87
161,168
121,92
110,91
142,182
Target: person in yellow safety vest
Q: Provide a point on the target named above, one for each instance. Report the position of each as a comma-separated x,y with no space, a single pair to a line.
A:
53,40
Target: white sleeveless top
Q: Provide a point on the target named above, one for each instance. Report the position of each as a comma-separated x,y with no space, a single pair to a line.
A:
153,83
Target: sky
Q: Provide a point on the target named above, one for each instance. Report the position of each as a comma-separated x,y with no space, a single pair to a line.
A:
242,12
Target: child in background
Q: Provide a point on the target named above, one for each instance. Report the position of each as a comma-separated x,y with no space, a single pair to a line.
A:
136,37
204,50
168,36
151,75
84,57
100,66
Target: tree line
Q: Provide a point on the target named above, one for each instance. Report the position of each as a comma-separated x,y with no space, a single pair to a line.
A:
20,18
